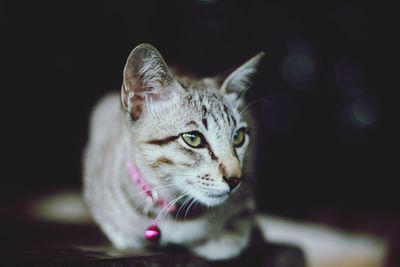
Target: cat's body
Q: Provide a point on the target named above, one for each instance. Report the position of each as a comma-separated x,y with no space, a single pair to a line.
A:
151,139
186,138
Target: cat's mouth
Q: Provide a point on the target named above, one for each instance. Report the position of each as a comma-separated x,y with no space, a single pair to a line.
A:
212,195
208,197
212,198
187,211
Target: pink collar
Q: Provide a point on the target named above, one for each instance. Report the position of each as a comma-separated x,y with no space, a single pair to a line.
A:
152,232
138,180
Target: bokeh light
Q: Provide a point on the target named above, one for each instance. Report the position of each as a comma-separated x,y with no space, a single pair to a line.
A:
364,111
299,65
359,113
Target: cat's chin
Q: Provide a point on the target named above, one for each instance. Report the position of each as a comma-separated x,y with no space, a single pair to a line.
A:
211,199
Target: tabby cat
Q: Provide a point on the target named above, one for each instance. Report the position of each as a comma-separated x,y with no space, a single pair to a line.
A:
165,163
188,140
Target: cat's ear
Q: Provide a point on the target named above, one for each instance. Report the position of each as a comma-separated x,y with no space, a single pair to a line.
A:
239,81
146,75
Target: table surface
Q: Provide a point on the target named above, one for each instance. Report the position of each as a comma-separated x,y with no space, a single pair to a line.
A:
27,242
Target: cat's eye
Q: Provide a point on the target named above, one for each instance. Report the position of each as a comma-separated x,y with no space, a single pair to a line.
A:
194,139
239,137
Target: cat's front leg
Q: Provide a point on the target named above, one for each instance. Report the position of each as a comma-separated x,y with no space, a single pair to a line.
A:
228,243
123,238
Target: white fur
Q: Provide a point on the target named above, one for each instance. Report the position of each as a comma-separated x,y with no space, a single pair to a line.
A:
323,245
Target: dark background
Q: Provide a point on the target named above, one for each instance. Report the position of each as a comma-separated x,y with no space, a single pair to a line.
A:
321,97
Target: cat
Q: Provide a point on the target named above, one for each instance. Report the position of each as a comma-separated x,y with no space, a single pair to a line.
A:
186,142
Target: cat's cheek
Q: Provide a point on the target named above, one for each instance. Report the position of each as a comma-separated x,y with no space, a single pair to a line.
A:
183,184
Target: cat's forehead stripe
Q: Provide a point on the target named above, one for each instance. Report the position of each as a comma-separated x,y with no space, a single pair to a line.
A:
192,123
205,123
216,121
234,121
225,109
212,109
204,110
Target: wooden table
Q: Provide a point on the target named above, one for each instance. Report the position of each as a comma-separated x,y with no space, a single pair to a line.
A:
26,242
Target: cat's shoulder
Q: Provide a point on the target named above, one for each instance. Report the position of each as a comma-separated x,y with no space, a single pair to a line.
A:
106,116
108,106
110,101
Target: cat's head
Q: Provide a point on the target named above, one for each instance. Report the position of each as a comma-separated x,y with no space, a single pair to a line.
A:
189,133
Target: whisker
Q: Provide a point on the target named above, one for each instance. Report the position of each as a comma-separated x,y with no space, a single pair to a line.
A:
245,109
187,210
166,207
154,188
141,203
181,207
164,213
247,112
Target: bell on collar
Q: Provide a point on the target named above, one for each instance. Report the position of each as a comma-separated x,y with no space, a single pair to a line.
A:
152,232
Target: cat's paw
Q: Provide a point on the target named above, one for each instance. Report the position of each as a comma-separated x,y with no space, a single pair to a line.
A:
122,240
222,248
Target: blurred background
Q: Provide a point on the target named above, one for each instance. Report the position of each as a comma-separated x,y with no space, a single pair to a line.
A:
320,98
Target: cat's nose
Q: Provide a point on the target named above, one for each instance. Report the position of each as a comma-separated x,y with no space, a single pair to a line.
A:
232,182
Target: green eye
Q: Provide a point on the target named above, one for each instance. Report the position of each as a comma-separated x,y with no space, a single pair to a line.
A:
239,137
193,139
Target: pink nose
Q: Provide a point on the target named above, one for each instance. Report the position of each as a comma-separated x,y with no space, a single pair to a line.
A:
232,182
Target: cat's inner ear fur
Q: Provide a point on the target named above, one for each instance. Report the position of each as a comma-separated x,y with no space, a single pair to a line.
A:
239,80
146,75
